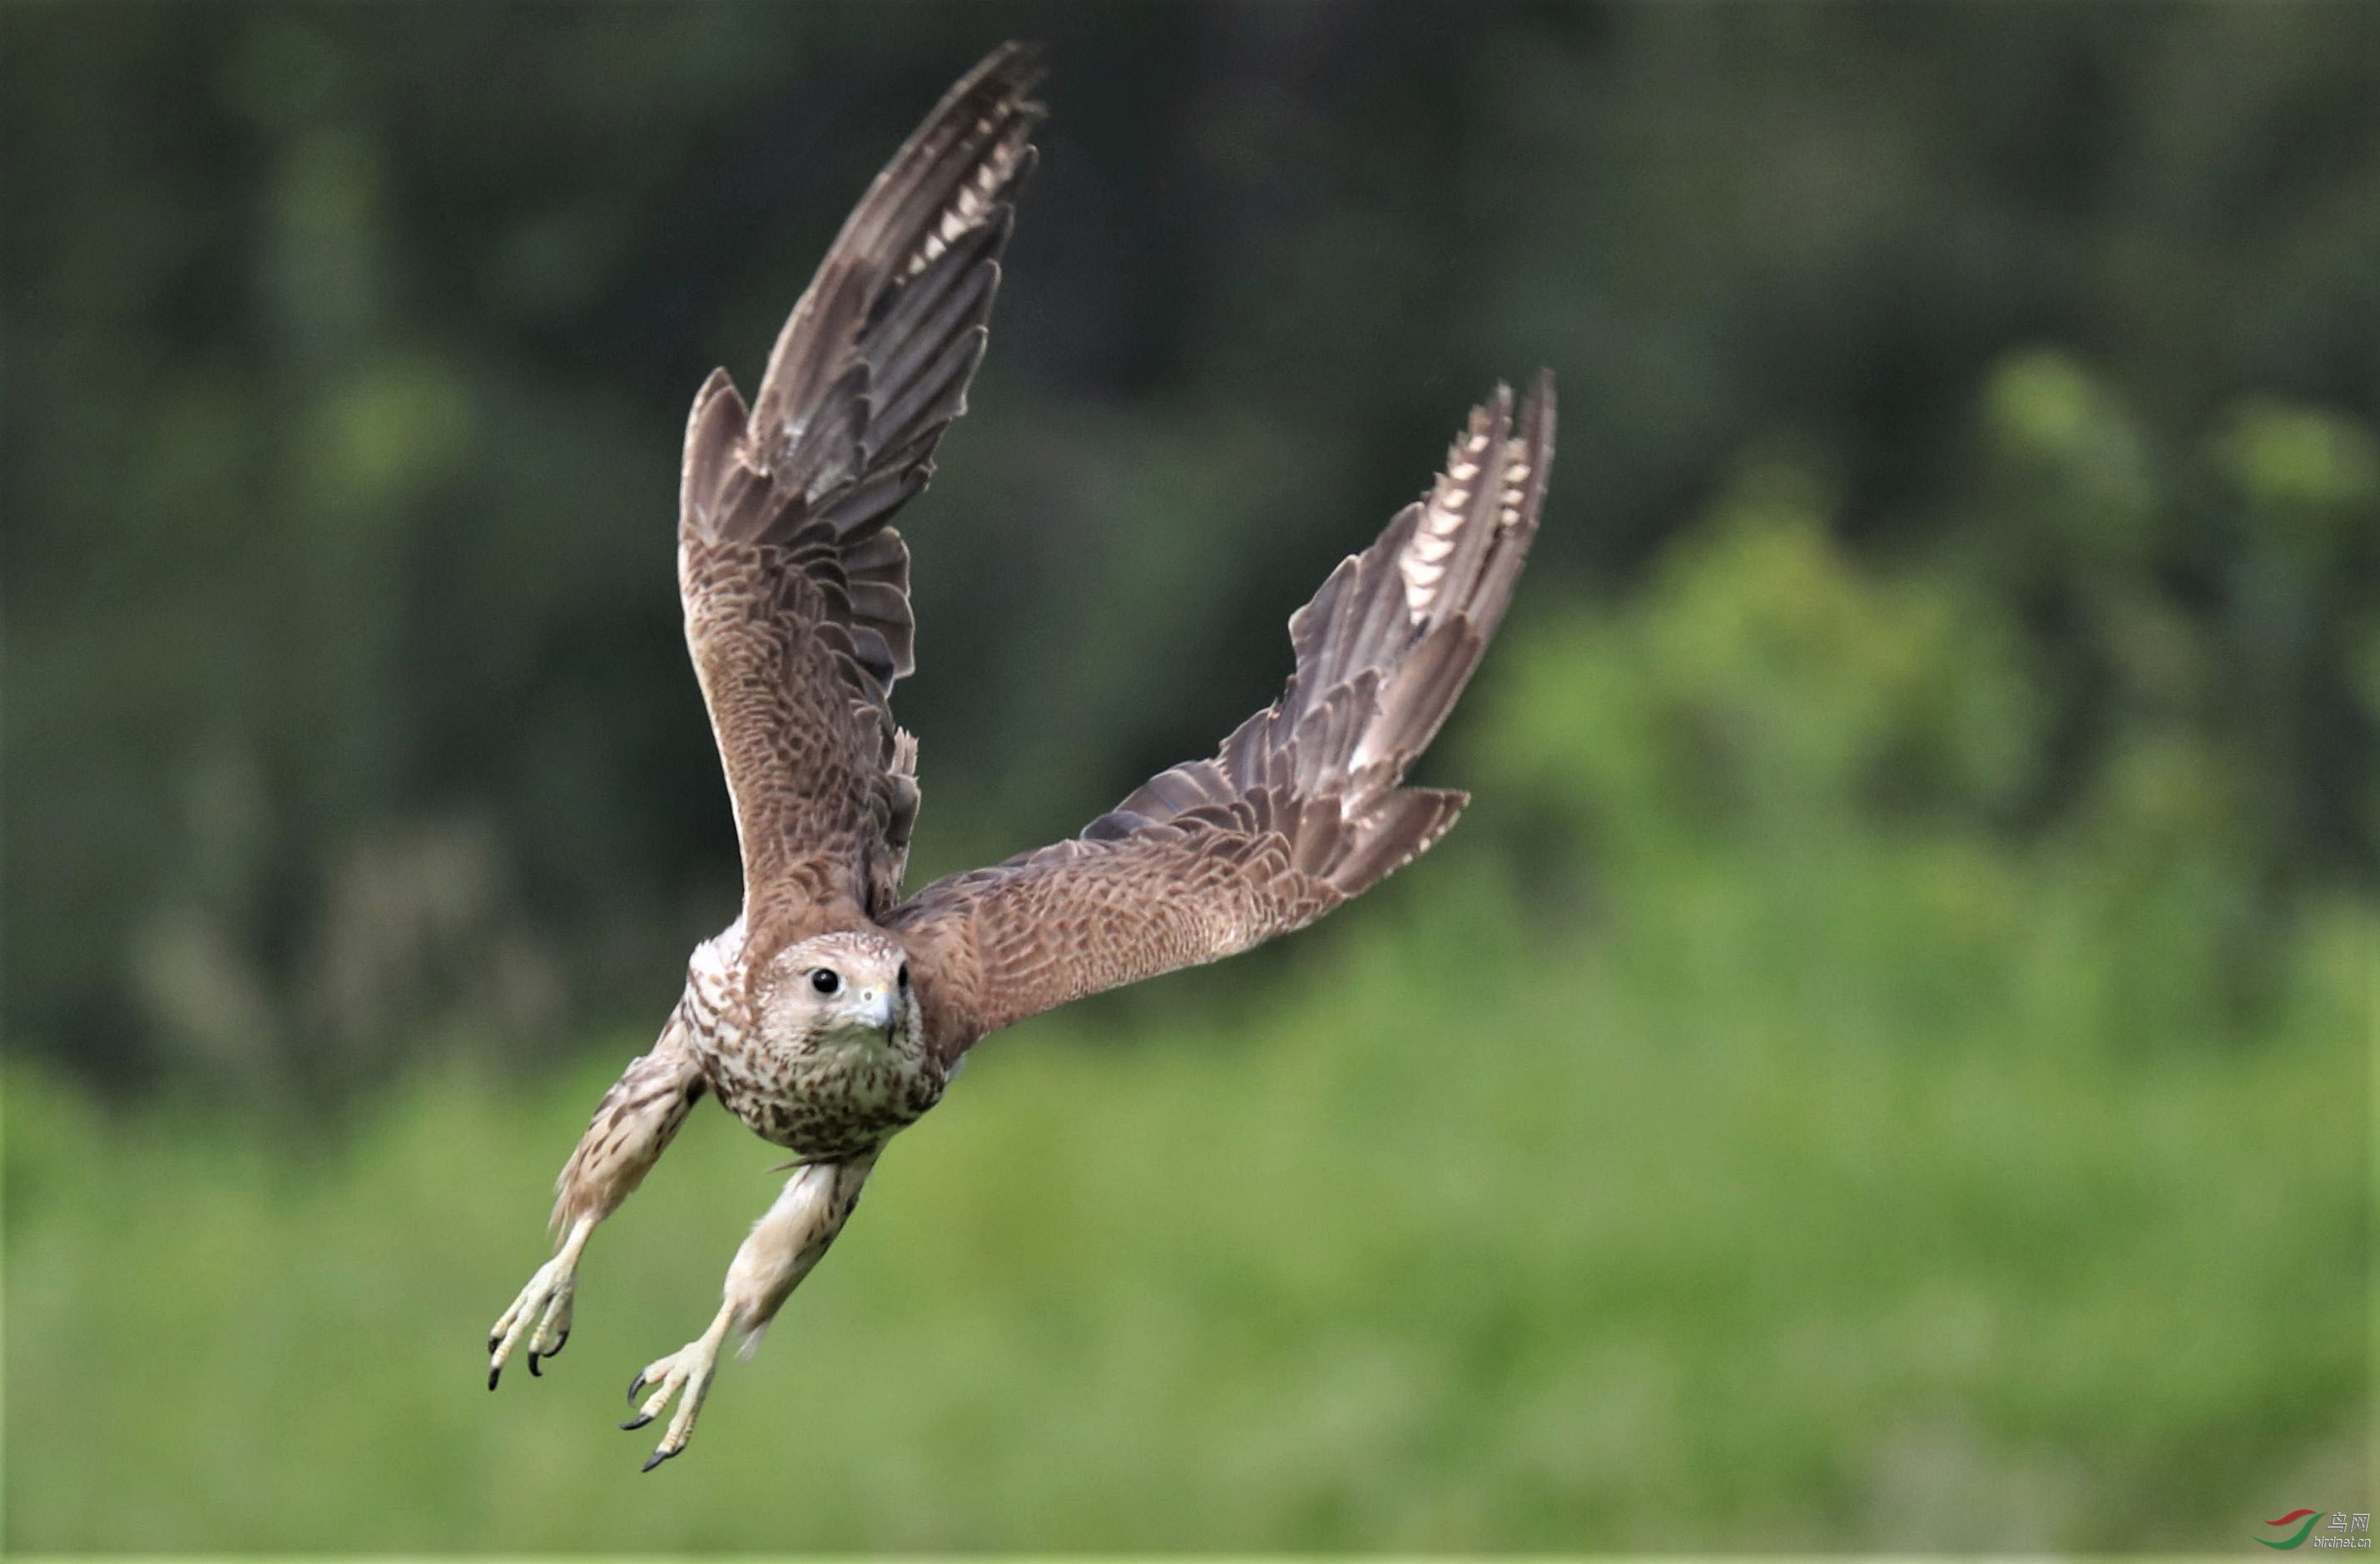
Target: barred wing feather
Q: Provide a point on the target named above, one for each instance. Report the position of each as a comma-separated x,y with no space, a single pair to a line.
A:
796,589
1302,808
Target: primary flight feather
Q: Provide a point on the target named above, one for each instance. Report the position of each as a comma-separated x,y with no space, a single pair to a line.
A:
832,1012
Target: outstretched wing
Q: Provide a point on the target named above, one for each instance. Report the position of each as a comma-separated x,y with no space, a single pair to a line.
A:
797,591
1302,808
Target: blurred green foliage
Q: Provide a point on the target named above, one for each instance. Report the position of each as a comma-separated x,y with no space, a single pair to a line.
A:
347,350
1885,1062
1822,1185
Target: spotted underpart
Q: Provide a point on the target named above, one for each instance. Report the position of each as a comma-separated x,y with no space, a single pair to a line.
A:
822,1092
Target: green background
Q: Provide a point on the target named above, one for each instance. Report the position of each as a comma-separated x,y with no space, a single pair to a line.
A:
1884,1063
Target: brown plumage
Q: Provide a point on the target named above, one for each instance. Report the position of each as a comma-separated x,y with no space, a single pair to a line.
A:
832,1012
1302,808
796,589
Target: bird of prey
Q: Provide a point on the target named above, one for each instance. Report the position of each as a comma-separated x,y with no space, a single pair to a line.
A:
833,1012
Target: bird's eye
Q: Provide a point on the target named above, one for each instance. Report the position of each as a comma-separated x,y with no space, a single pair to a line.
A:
826,980
903,976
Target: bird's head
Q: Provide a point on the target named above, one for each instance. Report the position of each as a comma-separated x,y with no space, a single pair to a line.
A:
852,985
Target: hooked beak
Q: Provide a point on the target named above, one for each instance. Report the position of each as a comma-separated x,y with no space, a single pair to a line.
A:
873,1008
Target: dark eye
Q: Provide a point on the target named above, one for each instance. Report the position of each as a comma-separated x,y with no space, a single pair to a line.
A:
904,975
826,980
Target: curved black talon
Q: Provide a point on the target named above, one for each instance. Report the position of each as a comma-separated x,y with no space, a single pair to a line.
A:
635,1423
494,1337
533,1373
559,1342
491,1376
636,1385
660,1456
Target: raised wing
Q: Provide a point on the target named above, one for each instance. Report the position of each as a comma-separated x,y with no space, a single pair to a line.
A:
1302,808
797,591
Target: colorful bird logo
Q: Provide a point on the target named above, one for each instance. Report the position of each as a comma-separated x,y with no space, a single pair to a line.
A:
2308,1516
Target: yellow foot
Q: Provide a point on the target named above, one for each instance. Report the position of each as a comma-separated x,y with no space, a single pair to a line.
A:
685,1373
541,1315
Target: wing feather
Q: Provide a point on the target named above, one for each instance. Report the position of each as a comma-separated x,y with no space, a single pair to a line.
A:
796,589
1302,808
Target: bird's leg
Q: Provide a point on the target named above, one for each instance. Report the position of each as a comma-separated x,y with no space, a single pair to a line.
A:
784,1245
632,1126
541,1314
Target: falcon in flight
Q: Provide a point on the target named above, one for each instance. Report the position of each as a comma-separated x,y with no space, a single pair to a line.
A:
833,1012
